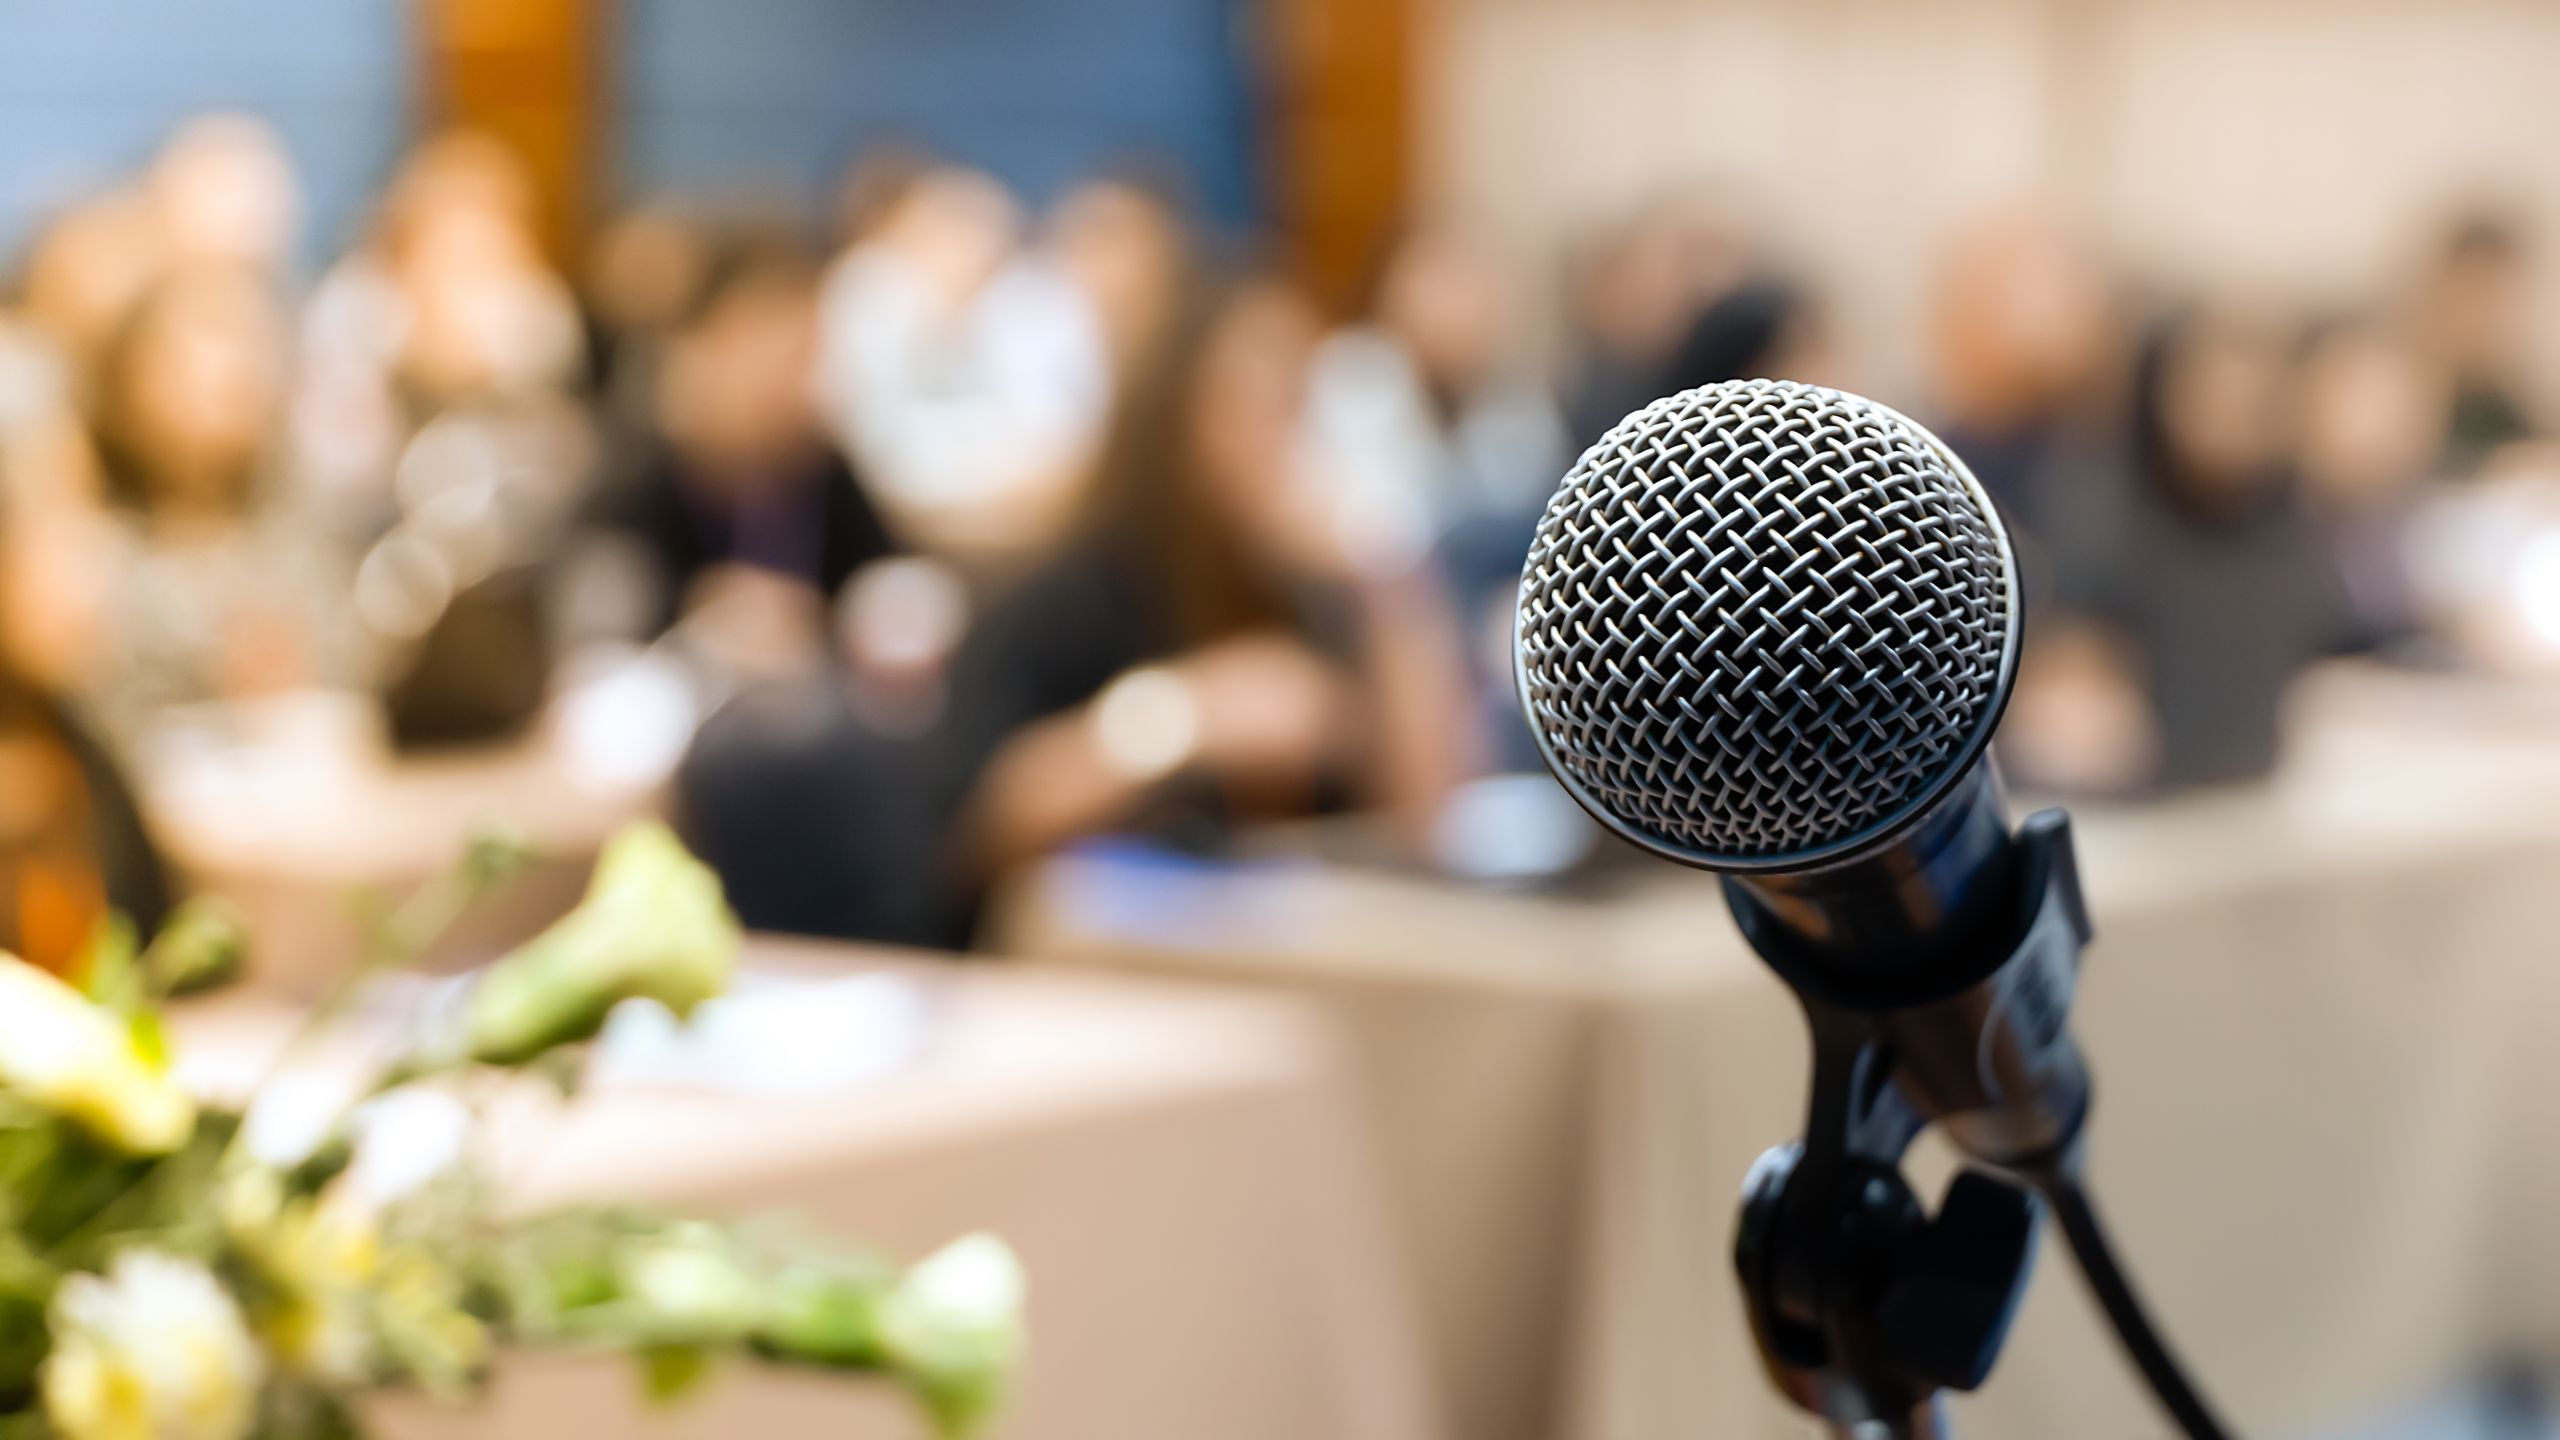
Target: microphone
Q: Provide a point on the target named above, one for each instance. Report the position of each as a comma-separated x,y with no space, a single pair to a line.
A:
1767,630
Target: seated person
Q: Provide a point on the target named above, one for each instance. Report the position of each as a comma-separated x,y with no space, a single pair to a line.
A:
2185,570
227,589
73,845
1208,651
739,475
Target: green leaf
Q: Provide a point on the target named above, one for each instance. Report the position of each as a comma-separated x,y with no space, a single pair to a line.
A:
668,1373
106,968
204,944
827,1315
564,1070
654,925
304,1412
498,854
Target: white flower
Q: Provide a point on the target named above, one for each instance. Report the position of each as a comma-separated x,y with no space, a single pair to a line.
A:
954,1325
152,1350
690,1288
80,1061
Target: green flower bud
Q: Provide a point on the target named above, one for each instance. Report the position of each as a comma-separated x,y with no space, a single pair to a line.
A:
654,925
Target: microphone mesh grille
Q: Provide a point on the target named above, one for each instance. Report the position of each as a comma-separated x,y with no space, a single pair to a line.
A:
1761,619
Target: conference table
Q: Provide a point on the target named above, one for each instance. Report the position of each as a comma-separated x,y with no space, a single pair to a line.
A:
2327,1125
1177,1166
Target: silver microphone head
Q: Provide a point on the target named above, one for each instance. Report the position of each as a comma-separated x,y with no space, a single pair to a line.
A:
1765,625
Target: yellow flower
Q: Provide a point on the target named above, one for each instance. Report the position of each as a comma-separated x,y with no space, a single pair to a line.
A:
341,1306
152,1350
654,925
81,1062
320,1258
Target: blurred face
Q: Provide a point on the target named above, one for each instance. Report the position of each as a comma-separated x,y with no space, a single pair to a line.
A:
1124,250
1248,408
226,192
1442,300
2371,414
204,382
1637,299
737,388
646,266
2479,303
2222,400
2020,322
484,310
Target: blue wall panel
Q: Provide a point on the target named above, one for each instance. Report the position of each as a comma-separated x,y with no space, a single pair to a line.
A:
89,87
741,95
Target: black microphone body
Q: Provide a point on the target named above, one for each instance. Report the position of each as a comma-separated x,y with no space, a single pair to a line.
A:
1957,944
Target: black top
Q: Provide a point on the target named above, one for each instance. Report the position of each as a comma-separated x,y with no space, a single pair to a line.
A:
1061,635
1049,644
2485,418
810,521
2223,611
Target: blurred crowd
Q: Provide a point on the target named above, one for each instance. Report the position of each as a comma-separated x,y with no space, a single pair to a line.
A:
959,533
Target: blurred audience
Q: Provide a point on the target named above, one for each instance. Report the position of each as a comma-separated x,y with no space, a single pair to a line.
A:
993,532
2474,308
1209,650
646,271
447,310
224,591
2203,581
1422,413
966,377
73,845
2021,339
738,484
2370,414
1630,299
1760,329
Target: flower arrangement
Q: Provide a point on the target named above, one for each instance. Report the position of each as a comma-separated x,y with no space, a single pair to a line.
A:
164,1278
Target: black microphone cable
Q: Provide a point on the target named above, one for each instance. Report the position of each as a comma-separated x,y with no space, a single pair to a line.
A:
2077,1213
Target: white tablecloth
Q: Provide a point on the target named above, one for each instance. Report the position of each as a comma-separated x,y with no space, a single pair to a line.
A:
2327,1125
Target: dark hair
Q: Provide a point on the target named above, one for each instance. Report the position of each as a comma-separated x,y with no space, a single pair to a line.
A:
747,261
1737,336
1151,509
2483,237
2158,470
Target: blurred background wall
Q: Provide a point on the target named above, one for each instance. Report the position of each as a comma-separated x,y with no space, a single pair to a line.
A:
779,92
2301,149
2216,141
88,91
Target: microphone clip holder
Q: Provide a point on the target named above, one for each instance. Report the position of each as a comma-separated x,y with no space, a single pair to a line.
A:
1866,1306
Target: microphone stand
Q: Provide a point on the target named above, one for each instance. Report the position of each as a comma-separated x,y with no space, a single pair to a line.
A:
1865,1306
